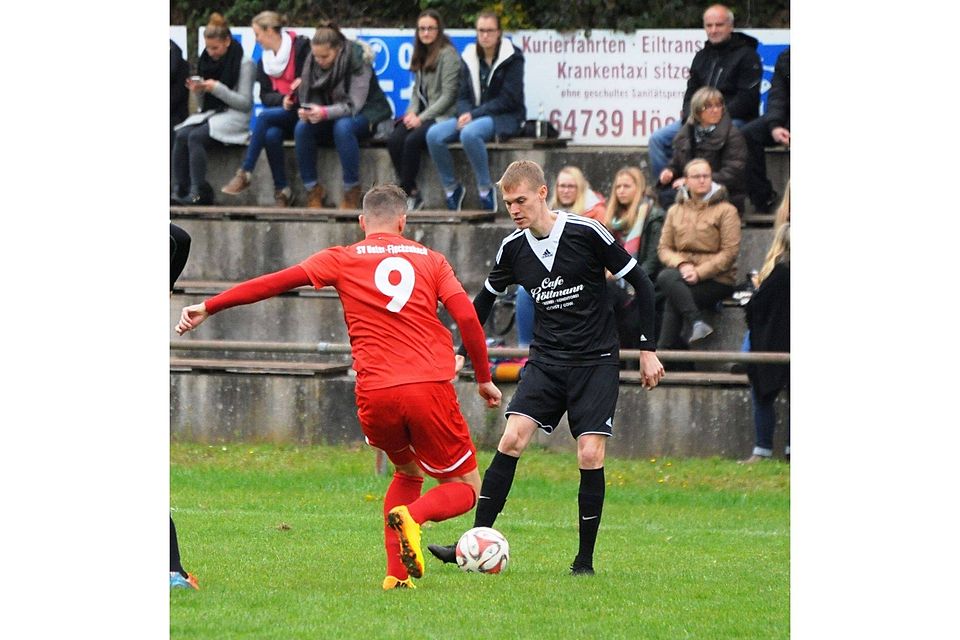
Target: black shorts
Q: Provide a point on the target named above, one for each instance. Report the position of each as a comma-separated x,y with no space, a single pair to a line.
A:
588,395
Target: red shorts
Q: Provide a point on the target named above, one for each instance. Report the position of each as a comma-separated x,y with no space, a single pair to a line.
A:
419,422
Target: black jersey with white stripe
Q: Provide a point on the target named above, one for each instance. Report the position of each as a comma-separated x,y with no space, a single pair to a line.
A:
565,274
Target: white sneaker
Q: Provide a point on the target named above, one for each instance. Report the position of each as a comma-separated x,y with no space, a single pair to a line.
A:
700,331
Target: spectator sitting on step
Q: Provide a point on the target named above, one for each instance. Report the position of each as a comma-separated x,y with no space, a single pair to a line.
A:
768,323
179,94
728,61
436,67
698,248
573,194
490,105
340,102
278,72
224,88
709,134
635,219
772,128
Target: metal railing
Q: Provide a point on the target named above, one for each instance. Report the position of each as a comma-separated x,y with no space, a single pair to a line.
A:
754,357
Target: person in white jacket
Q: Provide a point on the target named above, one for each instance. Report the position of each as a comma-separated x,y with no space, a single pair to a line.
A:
489,104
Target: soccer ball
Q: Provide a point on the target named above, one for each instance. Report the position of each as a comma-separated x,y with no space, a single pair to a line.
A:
483,550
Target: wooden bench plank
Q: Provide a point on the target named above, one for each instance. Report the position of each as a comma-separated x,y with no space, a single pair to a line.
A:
759,219
676,378
213,287
258,366
518,143
306,214
692,378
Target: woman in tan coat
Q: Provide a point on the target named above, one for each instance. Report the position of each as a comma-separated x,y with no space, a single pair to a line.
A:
698,247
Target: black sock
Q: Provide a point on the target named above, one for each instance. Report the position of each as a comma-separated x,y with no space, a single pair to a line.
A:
175,551
590,501
497,480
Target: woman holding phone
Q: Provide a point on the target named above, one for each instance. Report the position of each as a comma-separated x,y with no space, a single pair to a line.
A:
224,88
340,100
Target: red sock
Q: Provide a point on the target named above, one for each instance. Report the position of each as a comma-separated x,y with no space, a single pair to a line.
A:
444,501
403,489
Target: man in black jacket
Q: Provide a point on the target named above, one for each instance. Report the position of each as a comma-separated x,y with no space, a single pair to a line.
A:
772,128
728,61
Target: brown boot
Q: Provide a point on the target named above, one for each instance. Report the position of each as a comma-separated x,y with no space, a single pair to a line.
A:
239,183
315,197
283,197
351,199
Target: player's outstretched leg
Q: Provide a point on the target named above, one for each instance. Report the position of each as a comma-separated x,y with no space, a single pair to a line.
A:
408,531
447,500
590,503
497,480
404,489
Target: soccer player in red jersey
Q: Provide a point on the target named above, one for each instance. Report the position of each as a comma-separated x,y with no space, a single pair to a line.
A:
389,287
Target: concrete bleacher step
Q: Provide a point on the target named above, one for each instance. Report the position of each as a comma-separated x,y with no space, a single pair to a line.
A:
274,367
224,248
303,315
599,164
231,246
308,315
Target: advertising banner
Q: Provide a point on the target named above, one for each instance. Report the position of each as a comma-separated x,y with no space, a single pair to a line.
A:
611,88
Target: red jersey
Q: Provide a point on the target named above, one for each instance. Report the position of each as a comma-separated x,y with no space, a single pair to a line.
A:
389,287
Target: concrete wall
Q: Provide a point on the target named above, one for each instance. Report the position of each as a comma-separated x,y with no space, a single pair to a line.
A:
232,407
235,250
685,421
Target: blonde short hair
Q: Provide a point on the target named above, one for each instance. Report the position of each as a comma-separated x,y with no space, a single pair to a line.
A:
520,172
385,201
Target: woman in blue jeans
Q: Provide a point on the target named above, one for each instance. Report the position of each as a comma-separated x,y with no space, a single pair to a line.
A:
340,101
489,103
278,73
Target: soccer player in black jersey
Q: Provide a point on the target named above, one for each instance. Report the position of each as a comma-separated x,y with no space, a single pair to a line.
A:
562,259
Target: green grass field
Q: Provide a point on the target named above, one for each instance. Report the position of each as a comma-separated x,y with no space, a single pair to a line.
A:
287,543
